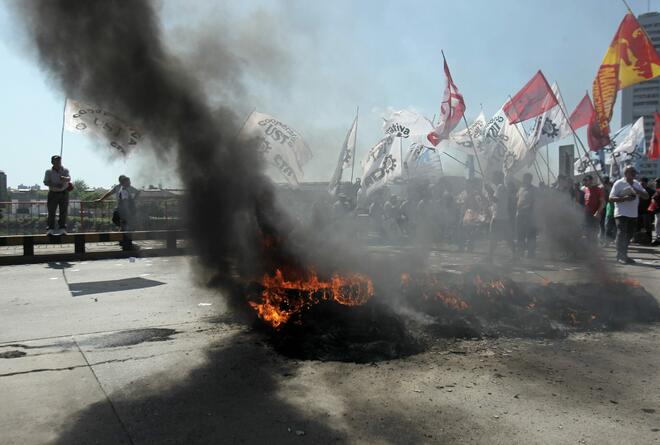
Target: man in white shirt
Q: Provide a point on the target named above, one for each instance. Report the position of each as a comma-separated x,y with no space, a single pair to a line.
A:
57,179
625,195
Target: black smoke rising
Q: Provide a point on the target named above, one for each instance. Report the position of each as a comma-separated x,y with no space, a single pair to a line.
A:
109,53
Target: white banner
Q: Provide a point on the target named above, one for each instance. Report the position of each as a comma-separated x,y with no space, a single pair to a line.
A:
551,126
282,147
408,125
378,166
462,140
85,119
346,157
582,165
503,147
631,146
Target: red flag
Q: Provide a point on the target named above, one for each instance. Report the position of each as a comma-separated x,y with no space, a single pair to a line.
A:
451,111
596,136
582,113
533,99
654,150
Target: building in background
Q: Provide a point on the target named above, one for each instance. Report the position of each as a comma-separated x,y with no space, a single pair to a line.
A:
566,160
643,99
3,186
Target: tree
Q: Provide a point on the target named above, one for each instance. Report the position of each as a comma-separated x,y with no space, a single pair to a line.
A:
79,187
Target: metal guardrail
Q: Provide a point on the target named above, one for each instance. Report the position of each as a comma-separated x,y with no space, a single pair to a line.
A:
29,217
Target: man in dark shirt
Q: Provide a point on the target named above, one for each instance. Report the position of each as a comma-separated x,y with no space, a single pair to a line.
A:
58,181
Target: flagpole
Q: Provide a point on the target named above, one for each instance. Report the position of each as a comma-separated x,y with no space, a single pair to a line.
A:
62,132
357,112
460,162
474,147
524,138
547,156
575,136
244,123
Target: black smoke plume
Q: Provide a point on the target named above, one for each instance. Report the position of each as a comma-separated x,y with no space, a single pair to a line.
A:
110,54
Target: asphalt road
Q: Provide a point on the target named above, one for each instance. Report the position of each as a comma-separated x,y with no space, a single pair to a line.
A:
121,352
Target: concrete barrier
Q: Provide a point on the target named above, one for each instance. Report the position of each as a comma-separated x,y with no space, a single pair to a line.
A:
79,240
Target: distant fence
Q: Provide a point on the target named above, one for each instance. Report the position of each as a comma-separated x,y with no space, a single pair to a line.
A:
29,217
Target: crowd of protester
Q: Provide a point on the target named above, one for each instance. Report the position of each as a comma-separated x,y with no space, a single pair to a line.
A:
506,211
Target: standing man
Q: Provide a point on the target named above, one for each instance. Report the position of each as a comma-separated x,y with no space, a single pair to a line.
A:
594,203
500,224
126,196
525,224
625,195
57,179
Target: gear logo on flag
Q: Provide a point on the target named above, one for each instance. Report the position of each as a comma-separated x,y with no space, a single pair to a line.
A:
389,164
549,128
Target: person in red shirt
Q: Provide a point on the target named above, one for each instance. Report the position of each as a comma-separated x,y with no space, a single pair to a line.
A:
594,203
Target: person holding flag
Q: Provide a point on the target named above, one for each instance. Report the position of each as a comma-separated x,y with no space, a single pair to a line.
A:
451,109
58,181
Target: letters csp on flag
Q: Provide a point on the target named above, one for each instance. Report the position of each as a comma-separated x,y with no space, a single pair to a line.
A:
631,58
533,99
281,146
451,110
86,119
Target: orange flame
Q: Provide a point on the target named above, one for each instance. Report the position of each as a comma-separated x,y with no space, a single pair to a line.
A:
431,288
282,298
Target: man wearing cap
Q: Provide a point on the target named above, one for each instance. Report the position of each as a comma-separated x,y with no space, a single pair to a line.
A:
625,195
57,179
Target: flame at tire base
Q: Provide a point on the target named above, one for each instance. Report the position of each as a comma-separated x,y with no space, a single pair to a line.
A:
282,298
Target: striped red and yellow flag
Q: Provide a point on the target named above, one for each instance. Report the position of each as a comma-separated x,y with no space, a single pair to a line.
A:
631,58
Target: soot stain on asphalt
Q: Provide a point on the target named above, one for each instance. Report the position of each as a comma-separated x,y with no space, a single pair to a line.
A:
130,337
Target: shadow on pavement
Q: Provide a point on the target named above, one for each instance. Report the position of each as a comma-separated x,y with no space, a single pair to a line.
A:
101,287
232,399
59,265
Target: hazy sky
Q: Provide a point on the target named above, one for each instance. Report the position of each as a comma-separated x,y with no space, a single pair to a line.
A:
312,63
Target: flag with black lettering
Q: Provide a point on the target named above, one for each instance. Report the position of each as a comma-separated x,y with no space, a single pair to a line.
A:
86,119
282,147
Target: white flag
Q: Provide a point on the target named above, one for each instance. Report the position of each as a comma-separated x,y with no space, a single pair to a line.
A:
582,165
85,119
551,126
377,166
462,140
346,157
423,162
629,148
282,147
503,146
408,125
